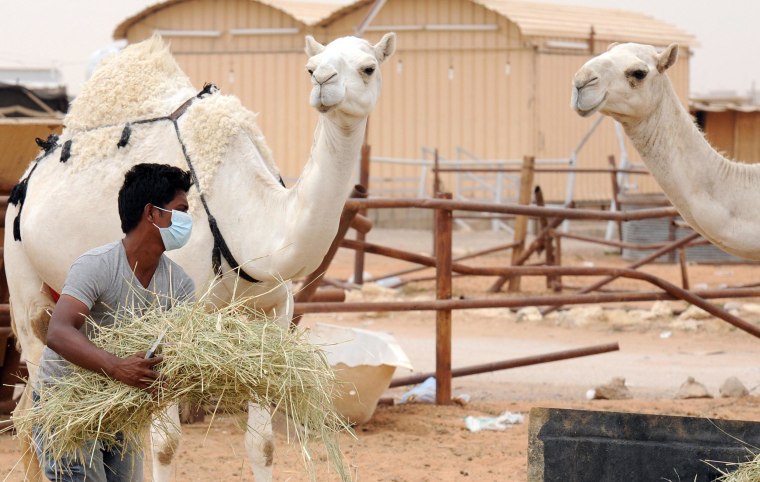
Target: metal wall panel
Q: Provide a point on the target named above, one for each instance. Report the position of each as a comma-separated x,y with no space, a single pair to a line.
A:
747,140
17,146
720,128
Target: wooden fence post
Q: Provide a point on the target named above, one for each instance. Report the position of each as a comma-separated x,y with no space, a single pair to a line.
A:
616,194
360,236
552,281
443,242
521,222
684,272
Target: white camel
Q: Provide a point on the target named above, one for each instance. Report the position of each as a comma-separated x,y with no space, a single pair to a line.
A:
716,196
281,234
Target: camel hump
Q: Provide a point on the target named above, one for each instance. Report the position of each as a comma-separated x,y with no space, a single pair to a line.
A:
142,81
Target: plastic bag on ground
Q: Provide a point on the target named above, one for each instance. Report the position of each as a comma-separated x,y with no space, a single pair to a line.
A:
502,422
422,393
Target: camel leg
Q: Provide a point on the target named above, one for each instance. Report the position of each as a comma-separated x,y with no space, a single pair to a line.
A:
164,441
282,312
31,305
259,442
29,460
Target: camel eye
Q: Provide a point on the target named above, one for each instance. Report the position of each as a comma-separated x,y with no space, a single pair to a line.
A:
639,74
368,70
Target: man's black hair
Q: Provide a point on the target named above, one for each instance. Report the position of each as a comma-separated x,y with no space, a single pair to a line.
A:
156,184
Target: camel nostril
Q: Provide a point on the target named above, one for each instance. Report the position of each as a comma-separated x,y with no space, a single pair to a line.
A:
321,82
581,83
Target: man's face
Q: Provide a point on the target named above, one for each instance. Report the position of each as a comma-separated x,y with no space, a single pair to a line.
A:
163,218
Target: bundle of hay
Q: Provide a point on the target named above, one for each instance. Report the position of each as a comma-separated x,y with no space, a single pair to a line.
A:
746,472
225,358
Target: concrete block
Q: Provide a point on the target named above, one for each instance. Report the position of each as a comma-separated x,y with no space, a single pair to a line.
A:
592,446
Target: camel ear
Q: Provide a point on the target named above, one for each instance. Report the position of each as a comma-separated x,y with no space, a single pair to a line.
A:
612,45
667,58
313,47
386,46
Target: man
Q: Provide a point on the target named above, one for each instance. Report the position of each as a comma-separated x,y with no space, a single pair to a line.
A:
130,273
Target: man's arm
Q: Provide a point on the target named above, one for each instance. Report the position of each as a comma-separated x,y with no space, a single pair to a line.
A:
64,338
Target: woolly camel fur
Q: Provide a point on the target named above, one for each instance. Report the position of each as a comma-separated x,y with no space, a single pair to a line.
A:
715,195
278,234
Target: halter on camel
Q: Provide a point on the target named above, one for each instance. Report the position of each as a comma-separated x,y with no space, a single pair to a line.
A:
220,249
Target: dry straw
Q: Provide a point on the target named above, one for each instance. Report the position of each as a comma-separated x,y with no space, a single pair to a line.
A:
746,472
223,358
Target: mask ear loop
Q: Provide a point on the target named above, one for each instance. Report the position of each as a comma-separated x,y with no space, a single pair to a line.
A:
160,209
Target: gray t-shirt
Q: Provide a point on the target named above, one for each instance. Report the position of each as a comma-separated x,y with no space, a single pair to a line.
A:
103,280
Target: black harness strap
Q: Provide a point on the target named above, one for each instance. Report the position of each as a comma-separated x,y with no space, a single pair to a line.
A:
66,151
18,193
220,246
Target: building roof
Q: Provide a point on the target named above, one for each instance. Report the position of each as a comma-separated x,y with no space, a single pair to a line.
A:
571,21
723,104
305,11
532,18
20,101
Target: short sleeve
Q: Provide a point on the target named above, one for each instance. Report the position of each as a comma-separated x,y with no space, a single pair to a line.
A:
88,278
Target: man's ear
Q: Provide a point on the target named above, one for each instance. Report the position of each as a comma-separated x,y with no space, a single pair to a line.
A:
148,212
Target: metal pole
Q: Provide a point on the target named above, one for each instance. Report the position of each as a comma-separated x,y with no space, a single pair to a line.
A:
371,14
664,250
516,209
381,251
507,364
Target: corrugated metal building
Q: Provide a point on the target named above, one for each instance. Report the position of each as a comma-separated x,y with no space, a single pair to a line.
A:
731,125
491,77
32,104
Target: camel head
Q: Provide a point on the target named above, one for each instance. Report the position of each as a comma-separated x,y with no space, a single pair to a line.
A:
626,83
345,74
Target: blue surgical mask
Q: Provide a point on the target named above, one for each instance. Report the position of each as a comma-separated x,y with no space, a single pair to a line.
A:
176,235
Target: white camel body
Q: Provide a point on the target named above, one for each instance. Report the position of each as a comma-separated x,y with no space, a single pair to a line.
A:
716,196
277,234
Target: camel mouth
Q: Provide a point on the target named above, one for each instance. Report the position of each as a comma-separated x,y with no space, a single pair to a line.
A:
587,112
324,109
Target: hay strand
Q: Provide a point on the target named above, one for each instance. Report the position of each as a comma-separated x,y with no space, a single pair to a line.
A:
746,472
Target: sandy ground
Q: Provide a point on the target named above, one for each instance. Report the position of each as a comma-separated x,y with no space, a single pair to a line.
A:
430,443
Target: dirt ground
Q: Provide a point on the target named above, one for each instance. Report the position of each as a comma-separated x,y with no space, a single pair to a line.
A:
421,442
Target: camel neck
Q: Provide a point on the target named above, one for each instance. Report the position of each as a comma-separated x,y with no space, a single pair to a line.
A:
716,196
334,155
315,202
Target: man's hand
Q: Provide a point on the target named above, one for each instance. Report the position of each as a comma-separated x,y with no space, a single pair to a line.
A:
135,370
